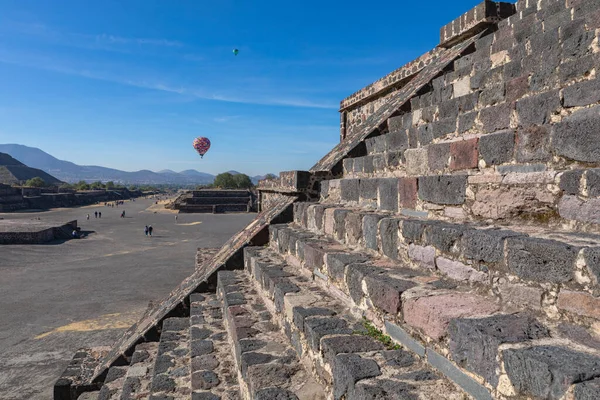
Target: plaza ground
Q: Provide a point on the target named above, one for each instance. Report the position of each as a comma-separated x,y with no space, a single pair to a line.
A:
57,297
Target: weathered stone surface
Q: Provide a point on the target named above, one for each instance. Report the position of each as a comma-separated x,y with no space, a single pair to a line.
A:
353,228
204,380
571,207
570,180
370,229
459,271
521,295
533,144
438,156
339,217
464,154
486,245
375,144
423,255
592,182
301,313
577,137
589,390
443,236
333,346
443,189
388,237
592,261
474,342
432,314
368,189
201,347
396,141
413,230
579,303
521,169
517,88
582,93
497,148
336,263
385,389
349,369
407,192
541,260
536,110
387,194
386,292
416,161
495,118
317,327
349,189
274,394
548,371
509,202
355,274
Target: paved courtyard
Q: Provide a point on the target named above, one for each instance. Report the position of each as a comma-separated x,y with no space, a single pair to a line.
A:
57,297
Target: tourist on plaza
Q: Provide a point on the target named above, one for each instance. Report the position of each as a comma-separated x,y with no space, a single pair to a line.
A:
150,230
95,214
146,230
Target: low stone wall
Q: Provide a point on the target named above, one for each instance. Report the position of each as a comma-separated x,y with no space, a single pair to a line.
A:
43,235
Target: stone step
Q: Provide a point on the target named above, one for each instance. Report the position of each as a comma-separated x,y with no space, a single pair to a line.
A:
171,374
267,365
212,366
547,271
530,194
459,329
346,353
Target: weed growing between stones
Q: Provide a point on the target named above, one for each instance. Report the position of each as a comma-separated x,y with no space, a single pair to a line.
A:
372,331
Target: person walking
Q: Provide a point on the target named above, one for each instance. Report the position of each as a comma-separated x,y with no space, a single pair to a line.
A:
88,217
95,214
146,230
99,214
150,230
175,218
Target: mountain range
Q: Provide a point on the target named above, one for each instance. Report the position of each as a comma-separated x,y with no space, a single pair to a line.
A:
70,172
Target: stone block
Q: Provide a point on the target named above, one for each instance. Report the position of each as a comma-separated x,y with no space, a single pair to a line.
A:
367,189
521,169
347,370
314,255
541,260
536,110
432,314
459,271
443,189
396,123
379,162
355,275
336,263
396,141
413,229
317,327
521,295
517,88
509,201
589,390
592,182
445,237
368,167
495,118
425,134
375,144
570,181
492,95
579,44
466,121
497,148
324,189
328,222
462,87
386,292
370,230
299,314
348,164
333,346
353,228
394,159
547,371
485,245
573,208
464,154
474,342
358,165
577,137
438,156
340,224
387,194
388,237
443,127
579,303
576,69
592,261
424,255
407,192
533,144
349,189
416,161
319,214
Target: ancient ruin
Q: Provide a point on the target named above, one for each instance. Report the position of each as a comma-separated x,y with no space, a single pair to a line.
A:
447,248
214,201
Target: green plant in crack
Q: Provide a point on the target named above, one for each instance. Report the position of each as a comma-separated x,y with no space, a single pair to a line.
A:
372,331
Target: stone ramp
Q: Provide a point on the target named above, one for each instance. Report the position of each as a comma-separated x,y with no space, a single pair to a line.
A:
392,105
229,255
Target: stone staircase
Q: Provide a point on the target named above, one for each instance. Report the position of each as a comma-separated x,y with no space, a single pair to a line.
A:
447,248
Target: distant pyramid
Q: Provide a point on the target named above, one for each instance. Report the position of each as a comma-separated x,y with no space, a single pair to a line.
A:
15,172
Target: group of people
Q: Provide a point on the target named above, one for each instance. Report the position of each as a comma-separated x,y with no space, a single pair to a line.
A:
148,230
97,214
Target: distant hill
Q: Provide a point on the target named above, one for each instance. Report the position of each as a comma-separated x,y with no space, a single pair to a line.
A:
14,172
71,172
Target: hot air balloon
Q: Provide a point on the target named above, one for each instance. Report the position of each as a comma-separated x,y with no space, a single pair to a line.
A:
235,52
201,144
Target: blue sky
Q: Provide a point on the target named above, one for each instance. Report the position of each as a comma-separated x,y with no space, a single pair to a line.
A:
130,84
